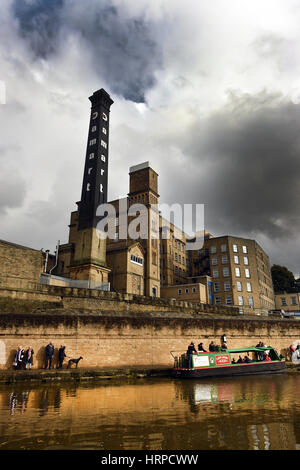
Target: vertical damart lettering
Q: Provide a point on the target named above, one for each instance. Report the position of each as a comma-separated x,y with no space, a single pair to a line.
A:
2,92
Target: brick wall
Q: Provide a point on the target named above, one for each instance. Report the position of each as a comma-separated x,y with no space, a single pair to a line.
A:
20,262
120,341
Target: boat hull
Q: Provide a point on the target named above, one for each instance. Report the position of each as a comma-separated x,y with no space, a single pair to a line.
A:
255,368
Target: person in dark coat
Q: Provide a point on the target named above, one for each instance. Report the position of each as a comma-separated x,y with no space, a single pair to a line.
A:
212,347
190,350
18,362
201,348
49,352
28,357
61,356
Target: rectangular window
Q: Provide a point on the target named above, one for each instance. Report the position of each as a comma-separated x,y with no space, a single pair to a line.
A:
104,144
237,272
217,287
175,256
227,286
250,301
186,291
194,290
91,156
94,128
228,300
215,273
249,287
136,259
246,261
179,258
104,130
223,248
213,249
241,300
283,301
224,259
235,248
179,291
217,300
247,272
103,158
239,286
245,249
294,301
225,272
214,261
92,142
236,260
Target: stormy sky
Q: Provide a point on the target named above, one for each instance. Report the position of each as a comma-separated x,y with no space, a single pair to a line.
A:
208,91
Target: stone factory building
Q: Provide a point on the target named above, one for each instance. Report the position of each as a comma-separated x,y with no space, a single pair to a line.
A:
240,272
226,271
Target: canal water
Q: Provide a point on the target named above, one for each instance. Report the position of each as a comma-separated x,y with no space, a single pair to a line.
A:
154,414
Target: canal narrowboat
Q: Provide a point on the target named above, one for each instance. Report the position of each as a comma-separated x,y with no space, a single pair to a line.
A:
225,363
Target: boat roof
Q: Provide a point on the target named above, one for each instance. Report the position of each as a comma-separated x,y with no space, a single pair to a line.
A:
249,349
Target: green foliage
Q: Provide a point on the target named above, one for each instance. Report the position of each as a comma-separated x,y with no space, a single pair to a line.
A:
283,279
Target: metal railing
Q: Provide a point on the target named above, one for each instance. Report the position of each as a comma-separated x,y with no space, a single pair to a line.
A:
50,279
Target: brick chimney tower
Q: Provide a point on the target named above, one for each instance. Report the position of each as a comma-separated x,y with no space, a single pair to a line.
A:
89,262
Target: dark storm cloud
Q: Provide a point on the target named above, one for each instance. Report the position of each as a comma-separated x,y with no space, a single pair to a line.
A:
249,157
39,23
124,50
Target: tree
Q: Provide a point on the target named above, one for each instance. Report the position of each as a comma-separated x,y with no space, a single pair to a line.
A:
283,279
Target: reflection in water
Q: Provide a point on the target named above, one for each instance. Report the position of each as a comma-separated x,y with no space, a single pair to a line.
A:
259,413
18,401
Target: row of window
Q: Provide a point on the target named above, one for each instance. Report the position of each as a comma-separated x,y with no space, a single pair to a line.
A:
102,157
293,301
228,300
104,131
88,187
186,290
136,259
226,273
213,249
227,286
178,258
179,271
94,141
179,245
214,260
